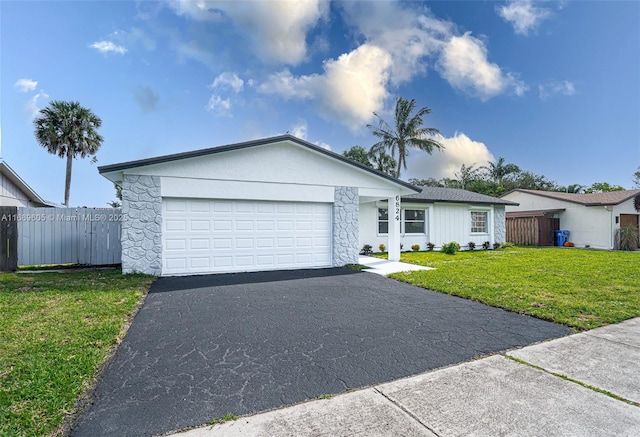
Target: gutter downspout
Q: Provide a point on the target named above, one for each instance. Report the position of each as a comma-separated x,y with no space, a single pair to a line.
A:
611,230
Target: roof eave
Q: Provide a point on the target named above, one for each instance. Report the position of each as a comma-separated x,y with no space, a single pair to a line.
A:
120,167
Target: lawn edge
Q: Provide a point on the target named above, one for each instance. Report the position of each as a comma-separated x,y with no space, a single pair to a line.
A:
85,399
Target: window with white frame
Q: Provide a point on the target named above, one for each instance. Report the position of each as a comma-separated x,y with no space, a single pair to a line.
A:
383,221
414,221
479,222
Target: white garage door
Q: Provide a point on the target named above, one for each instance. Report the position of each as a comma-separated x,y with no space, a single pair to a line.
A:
215,236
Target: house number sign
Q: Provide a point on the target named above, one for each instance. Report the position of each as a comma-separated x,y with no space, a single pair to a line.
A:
397,211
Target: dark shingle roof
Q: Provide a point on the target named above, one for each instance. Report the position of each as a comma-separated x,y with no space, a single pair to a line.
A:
593,199
454,195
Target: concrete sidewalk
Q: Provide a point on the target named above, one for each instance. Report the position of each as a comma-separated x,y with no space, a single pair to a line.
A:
385,267
554,388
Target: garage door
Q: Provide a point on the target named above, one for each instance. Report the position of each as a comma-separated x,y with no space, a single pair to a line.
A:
215,236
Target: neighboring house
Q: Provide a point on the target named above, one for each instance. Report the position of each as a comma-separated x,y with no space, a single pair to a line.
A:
437,216
591,219
269,204
15,192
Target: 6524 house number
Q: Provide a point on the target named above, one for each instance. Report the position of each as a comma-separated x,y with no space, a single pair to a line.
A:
397,210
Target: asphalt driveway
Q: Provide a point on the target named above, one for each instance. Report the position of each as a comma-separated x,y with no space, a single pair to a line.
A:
203,346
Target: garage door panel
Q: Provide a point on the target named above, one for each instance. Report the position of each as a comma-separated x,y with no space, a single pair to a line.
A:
209,236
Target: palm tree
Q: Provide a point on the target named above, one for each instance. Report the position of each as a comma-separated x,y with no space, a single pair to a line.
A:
68,130
407,132
498,170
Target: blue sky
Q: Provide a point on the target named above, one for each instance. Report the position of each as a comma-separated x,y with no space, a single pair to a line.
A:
553,87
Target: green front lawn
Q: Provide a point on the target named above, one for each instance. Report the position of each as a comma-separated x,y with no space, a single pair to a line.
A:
56,329
580,288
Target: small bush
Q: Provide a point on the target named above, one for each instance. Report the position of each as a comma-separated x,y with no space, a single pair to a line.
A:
382,248
450,248
471,245
627,238
486,245
496,245
366,250
508,244
430,246
415,247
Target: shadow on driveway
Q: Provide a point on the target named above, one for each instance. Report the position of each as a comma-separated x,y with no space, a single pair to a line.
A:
202,346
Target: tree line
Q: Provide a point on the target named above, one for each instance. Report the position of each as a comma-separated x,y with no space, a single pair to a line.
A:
389,155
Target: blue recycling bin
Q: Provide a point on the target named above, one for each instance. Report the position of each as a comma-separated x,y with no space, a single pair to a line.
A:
562,236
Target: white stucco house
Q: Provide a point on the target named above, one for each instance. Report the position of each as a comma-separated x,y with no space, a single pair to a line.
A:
270,204
592,219
15,192
437,216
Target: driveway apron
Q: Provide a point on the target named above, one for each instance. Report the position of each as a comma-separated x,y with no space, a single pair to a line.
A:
204,346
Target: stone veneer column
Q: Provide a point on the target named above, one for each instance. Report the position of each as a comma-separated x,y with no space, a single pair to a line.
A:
142,226
346,207
500,217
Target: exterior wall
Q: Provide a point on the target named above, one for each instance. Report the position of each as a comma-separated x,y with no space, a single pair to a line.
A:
276,163
445,222
11,195
345,226
592,226
142,230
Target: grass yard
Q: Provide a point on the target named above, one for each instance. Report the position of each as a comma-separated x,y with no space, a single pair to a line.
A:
580,288
56,329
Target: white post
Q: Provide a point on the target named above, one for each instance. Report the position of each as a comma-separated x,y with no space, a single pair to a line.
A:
394,228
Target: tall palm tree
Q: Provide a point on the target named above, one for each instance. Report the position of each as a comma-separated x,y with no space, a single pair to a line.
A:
68,130
407,132
498,170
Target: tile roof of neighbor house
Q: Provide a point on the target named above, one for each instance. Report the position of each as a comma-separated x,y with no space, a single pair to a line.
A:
11,175
261,142
593,199
455,195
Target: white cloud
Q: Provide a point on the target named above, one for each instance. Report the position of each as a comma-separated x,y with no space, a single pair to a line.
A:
523,15
459,149
277,29
351,88
299,130
408,35
219,105
464,64
228,80
26,85
32,105
108,47
563,87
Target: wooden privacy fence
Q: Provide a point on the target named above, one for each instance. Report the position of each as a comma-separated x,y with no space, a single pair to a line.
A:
87,236
531,231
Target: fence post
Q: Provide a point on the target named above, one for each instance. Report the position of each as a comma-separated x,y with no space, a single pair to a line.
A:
8,239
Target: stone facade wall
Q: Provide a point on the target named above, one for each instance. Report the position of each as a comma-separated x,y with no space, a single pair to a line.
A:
345,226
500,217
142,230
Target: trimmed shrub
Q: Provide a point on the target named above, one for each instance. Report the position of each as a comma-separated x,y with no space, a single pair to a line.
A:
415,247
508,244
366,250
496,245
486,245
382,248
430,246
471,245
450,248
